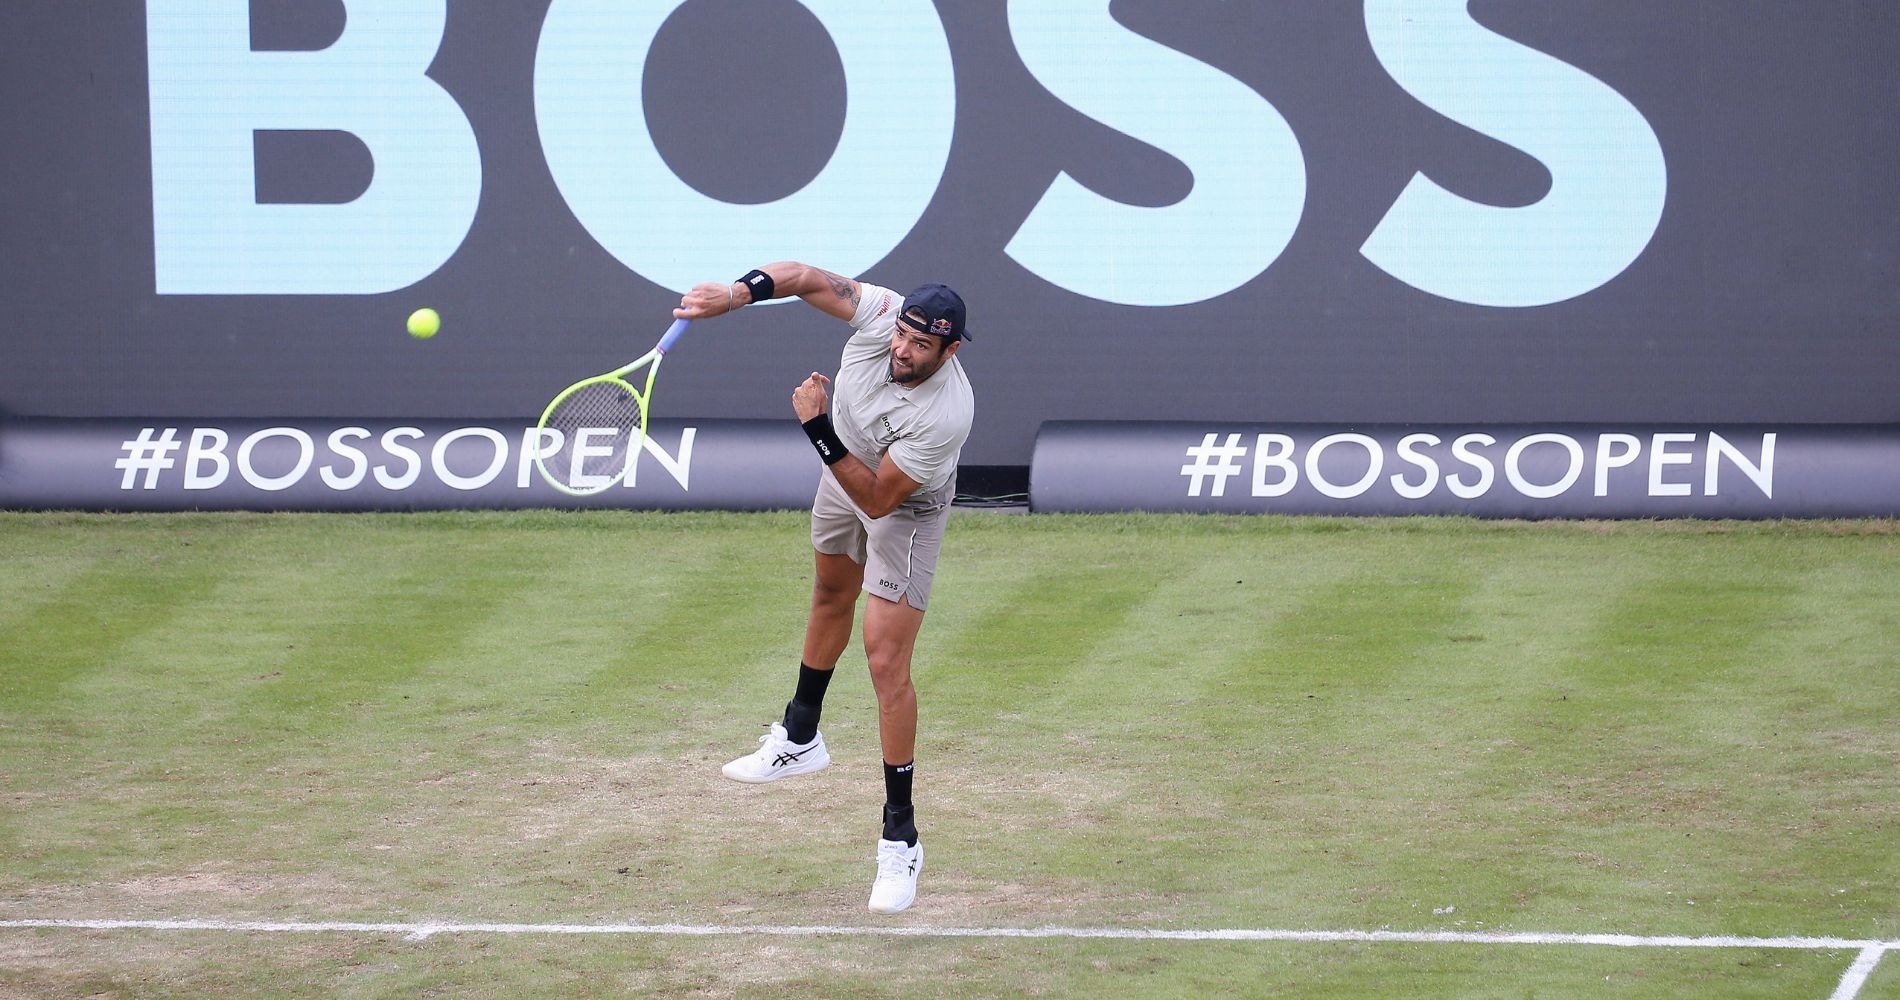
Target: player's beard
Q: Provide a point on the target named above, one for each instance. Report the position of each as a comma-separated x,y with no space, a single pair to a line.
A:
916,374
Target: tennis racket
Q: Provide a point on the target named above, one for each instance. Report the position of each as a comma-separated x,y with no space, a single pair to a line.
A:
599,425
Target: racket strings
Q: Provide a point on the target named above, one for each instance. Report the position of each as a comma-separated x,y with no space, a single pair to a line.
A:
605,418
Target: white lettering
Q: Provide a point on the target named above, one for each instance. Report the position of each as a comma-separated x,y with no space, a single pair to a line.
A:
1375,463
210,92
1274,451
1659,456
406,455
1613,452
1461,450
1279,460
585,451
900,111
1409,453
537,443
1514,474
207,445
359,462
1248,168
679,467
1608,180
1762,473
306,453
438,458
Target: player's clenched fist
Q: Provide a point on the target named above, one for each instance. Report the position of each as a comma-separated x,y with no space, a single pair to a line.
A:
810,398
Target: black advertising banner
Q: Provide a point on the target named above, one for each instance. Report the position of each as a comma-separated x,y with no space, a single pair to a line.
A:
1517,471
384,465
1390,211
1505,471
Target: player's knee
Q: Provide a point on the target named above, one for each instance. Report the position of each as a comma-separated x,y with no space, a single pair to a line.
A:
833,597
835,589
890,665
893,686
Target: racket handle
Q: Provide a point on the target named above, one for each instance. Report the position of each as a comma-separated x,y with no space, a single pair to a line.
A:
673,333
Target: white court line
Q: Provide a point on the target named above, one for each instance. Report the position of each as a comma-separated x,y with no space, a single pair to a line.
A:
1856,975
1870,952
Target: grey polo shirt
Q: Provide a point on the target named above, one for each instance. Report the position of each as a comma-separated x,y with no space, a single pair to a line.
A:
921,427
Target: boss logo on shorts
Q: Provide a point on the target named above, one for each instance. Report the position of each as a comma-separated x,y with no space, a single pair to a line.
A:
892,587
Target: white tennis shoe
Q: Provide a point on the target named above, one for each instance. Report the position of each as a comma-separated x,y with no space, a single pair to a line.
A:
778,757
897,866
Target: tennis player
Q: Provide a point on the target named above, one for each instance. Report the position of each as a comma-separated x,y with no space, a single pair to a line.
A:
889,433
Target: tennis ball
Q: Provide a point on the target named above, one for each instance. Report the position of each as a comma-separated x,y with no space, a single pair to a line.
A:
423,323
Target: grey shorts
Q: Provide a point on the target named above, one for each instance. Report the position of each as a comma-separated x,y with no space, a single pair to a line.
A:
898,551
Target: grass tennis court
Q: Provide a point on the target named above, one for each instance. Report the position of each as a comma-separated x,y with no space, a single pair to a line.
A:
1163,724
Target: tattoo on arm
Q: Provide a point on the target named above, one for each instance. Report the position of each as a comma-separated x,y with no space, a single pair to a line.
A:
842,287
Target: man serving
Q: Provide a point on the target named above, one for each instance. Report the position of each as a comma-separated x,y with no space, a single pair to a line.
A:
889,434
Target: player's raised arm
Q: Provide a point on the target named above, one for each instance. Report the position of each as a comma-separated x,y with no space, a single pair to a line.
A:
833,294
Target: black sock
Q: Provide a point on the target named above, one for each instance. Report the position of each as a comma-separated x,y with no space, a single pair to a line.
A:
801,713
900,817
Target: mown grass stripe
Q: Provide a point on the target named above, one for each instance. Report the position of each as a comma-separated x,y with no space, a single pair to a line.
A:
1040,625
99,620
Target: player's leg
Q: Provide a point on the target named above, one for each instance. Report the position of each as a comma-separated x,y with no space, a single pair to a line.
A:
834,602
890,636
900,565
794,745
838,540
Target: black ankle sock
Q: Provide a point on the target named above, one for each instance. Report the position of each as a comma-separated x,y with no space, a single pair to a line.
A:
811,685
900,823
897,781
900,817
801,713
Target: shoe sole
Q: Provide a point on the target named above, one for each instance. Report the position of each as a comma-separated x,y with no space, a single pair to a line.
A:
783,772
899,908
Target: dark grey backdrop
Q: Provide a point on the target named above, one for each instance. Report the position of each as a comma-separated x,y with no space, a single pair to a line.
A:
1768,293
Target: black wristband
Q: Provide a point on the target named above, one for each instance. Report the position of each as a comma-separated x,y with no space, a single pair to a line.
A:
759,283
825,439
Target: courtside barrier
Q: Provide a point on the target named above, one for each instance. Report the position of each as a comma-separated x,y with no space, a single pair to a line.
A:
1515,470
115,464
1507,471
